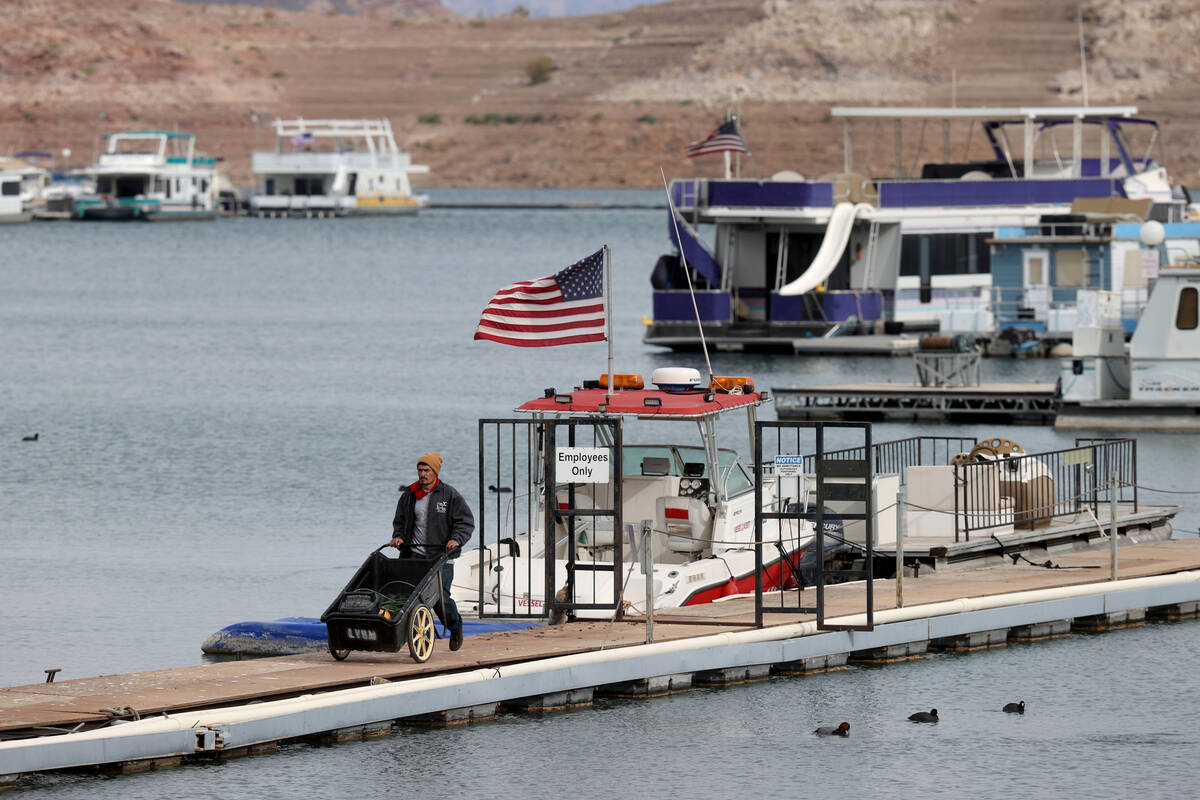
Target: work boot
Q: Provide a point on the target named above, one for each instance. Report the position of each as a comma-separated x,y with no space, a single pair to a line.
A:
456,637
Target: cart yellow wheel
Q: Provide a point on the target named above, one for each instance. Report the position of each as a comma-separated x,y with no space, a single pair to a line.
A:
421,633
338,655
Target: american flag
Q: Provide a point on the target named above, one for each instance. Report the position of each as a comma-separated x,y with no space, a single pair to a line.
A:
724,139
303,138
564,308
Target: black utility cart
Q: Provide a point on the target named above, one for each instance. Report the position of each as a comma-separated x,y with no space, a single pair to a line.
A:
388,602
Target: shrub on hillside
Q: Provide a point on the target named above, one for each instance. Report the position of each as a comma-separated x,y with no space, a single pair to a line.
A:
538,69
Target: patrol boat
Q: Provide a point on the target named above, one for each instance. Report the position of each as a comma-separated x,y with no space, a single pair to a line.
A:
574,517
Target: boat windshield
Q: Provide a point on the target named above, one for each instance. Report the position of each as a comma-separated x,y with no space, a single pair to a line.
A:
672,460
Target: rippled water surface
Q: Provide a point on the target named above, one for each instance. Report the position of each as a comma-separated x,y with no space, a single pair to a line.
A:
226,409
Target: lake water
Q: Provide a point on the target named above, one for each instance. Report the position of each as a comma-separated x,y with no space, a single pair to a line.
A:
226,410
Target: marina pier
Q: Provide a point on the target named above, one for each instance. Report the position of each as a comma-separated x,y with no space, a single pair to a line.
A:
141,721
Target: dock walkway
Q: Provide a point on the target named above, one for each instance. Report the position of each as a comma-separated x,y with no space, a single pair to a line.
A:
144,720
994,402
66,704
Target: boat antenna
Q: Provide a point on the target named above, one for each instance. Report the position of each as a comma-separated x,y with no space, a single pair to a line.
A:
1082,56
687,274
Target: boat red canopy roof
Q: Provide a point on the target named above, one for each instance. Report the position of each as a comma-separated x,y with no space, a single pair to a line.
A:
642,403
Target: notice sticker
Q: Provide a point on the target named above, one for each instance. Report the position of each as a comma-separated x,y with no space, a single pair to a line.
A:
788,466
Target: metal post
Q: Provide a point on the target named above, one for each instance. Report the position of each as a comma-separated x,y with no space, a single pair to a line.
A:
901,532
647,556
1112,536
608,318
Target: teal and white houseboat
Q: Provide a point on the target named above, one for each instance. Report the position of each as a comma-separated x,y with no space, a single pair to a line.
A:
1043,275
150,175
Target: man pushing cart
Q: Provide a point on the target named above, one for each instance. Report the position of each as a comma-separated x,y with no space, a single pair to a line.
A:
432,518
387,602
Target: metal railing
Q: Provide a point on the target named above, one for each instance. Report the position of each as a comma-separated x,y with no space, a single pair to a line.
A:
1030,490
1022,490
896,455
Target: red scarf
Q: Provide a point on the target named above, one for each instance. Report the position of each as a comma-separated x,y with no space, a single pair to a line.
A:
416,489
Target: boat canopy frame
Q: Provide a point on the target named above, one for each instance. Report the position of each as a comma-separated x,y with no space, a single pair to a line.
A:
1033,119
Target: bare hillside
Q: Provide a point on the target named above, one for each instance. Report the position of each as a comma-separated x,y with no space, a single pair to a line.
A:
626,92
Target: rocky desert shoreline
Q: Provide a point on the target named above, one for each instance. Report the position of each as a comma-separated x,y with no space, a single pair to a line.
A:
625,91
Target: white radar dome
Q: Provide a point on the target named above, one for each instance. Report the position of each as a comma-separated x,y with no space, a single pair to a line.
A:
676,379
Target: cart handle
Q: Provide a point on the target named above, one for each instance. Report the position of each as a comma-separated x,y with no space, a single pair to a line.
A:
441,559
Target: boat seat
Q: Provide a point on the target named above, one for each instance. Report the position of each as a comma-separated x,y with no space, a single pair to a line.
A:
686,521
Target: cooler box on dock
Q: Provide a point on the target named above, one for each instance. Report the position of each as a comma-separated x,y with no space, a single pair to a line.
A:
1033,501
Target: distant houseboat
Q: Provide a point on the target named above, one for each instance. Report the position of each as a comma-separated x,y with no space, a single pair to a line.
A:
339,167
150,175
791,257
13,207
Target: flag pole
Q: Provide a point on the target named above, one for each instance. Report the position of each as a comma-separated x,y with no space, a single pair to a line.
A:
686,272
608,318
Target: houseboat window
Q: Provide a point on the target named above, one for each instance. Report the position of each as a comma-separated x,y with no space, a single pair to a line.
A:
1071,269
104,185
270,187
11,188
947,254
158,185
1186,314
203,185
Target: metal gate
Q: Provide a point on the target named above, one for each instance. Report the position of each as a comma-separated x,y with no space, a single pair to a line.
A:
832,489
528,563
585,515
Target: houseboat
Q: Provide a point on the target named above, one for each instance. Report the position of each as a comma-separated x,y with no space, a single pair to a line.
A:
335,168
780,259
1046,277
13,207
1153,383
150,175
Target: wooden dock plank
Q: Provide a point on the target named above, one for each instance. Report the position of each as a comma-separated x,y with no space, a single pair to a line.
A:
67,703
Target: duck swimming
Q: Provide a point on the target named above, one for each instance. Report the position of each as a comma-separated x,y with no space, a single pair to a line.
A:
829,730
924,716
1015,708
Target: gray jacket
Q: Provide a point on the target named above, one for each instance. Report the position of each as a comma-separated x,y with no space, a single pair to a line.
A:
449,518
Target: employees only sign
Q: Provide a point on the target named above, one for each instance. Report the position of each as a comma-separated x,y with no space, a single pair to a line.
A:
582,464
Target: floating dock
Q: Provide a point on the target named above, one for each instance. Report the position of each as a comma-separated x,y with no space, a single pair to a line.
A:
1030,403
682,338
146,720
1128,415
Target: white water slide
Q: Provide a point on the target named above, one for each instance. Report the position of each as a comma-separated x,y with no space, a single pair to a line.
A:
837,236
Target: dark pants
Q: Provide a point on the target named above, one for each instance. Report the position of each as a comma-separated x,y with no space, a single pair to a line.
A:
446,609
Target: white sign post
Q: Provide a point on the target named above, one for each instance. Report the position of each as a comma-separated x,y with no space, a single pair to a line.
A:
582,464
